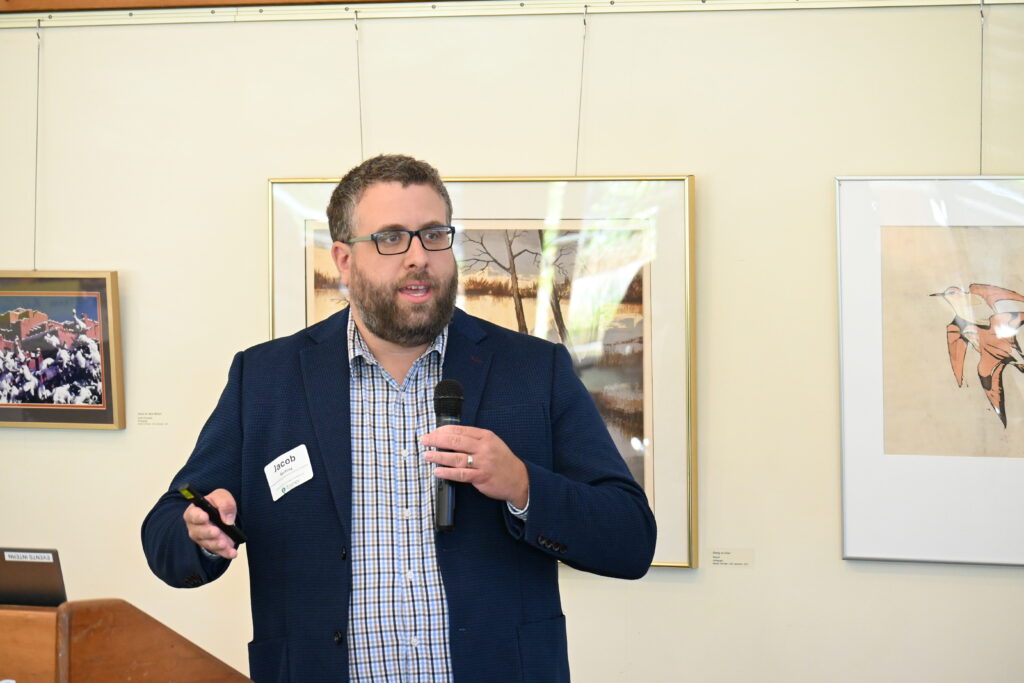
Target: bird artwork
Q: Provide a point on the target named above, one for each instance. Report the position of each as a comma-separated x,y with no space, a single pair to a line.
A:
986,318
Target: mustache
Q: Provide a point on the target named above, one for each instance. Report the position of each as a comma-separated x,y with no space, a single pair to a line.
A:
419,276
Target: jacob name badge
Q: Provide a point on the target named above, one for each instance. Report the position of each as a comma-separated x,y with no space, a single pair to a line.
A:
288,470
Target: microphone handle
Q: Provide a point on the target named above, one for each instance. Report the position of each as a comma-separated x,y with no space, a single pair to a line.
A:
444,495
444,510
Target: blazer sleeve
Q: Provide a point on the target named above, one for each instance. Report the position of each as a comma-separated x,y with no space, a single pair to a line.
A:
587,511
215,463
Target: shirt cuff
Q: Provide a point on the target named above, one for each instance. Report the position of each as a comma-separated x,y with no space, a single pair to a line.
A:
214,556
516,512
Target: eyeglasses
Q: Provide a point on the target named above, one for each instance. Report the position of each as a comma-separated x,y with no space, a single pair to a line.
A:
394,242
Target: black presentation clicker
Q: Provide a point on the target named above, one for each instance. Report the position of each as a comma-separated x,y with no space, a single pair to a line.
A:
197,499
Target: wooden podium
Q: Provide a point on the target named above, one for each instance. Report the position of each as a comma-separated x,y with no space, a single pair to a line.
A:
89,641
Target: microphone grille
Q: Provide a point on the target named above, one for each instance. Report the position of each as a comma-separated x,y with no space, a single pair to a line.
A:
448,397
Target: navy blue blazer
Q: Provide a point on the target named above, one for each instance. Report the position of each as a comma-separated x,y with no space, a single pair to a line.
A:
500,574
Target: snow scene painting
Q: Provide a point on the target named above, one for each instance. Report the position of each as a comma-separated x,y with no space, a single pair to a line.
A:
50,349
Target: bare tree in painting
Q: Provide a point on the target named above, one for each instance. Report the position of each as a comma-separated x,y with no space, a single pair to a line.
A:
484,257
559,284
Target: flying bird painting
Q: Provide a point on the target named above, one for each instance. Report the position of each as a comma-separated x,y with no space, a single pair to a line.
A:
986,318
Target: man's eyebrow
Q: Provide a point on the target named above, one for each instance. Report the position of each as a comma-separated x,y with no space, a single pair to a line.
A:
399,226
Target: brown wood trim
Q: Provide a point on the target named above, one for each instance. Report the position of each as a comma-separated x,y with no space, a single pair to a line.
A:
77,5
28,638
111,640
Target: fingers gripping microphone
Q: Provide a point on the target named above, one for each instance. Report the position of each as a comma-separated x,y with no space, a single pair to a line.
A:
448,410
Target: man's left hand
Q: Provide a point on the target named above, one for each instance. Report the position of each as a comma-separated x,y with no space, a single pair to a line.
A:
478,457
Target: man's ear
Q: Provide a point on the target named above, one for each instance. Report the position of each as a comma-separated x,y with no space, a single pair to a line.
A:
341,253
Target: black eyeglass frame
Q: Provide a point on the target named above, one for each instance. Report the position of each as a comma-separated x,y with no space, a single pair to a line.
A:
449,229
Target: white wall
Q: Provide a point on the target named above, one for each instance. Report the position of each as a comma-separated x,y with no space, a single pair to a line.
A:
156,142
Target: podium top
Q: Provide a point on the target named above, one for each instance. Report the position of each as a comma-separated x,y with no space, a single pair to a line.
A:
98,641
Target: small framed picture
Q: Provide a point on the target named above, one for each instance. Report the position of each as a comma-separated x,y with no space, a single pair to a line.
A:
60,351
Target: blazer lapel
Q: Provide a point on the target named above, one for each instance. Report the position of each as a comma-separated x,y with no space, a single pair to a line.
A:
325,375
467,361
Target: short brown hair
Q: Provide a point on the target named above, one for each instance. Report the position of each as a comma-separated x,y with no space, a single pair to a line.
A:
384,168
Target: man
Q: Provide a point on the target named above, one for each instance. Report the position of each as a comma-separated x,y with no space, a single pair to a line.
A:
349,580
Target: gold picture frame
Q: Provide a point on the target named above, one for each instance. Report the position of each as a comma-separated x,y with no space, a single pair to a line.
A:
591,255
60,350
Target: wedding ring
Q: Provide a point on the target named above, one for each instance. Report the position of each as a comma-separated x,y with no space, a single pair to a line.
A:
469,461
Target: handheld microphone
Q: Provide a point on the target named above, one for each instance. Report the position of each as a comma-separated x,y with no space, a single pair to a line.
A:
448,410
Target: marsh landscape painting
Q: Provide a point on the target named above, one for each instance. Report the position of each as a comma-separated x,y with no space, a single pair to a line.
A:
602,265
578,284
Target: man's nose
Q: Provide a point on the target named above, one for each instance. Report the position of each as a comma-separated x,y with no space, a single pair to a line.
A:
416,256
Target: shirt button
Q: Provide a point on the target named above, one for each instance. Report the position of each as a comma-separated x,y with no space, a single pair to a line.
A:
404,453
414,641
410,575
406,513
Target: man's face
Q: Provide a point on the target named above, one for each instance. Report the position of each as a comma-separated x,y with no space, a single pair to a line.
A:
406,299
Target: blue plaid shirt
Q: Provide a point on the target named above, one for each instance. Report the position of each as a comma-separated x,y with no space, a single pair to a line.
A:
398,613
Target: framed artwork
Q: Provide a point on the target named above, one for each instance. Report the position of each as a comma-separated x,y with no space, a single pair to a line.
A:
931,307
60,351
601,265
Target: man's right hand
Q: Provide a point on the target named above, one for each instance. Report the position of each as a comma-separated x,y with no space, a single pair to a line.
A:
206,534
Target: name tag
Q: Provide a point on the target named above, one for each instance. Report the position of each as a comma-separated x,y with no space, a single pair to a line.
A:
288,470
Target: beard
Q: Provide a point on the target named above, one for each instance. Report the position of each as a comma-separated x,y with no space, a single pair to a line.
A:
379,310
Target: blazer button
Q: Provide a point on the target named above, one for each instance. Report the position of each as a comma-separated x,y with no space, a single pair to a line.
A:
338,637
344,553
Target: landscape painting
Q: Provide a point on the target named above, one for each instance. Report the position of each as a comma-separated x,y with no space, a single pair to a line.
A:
577,284
601,265
581,285
325,295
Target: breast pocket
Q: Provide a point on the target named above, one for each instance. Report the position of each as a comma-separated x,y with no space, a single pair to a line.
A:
526,429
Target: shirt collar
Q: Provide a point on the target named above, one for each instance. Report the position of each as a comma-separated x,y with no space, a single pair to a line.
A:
357,347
